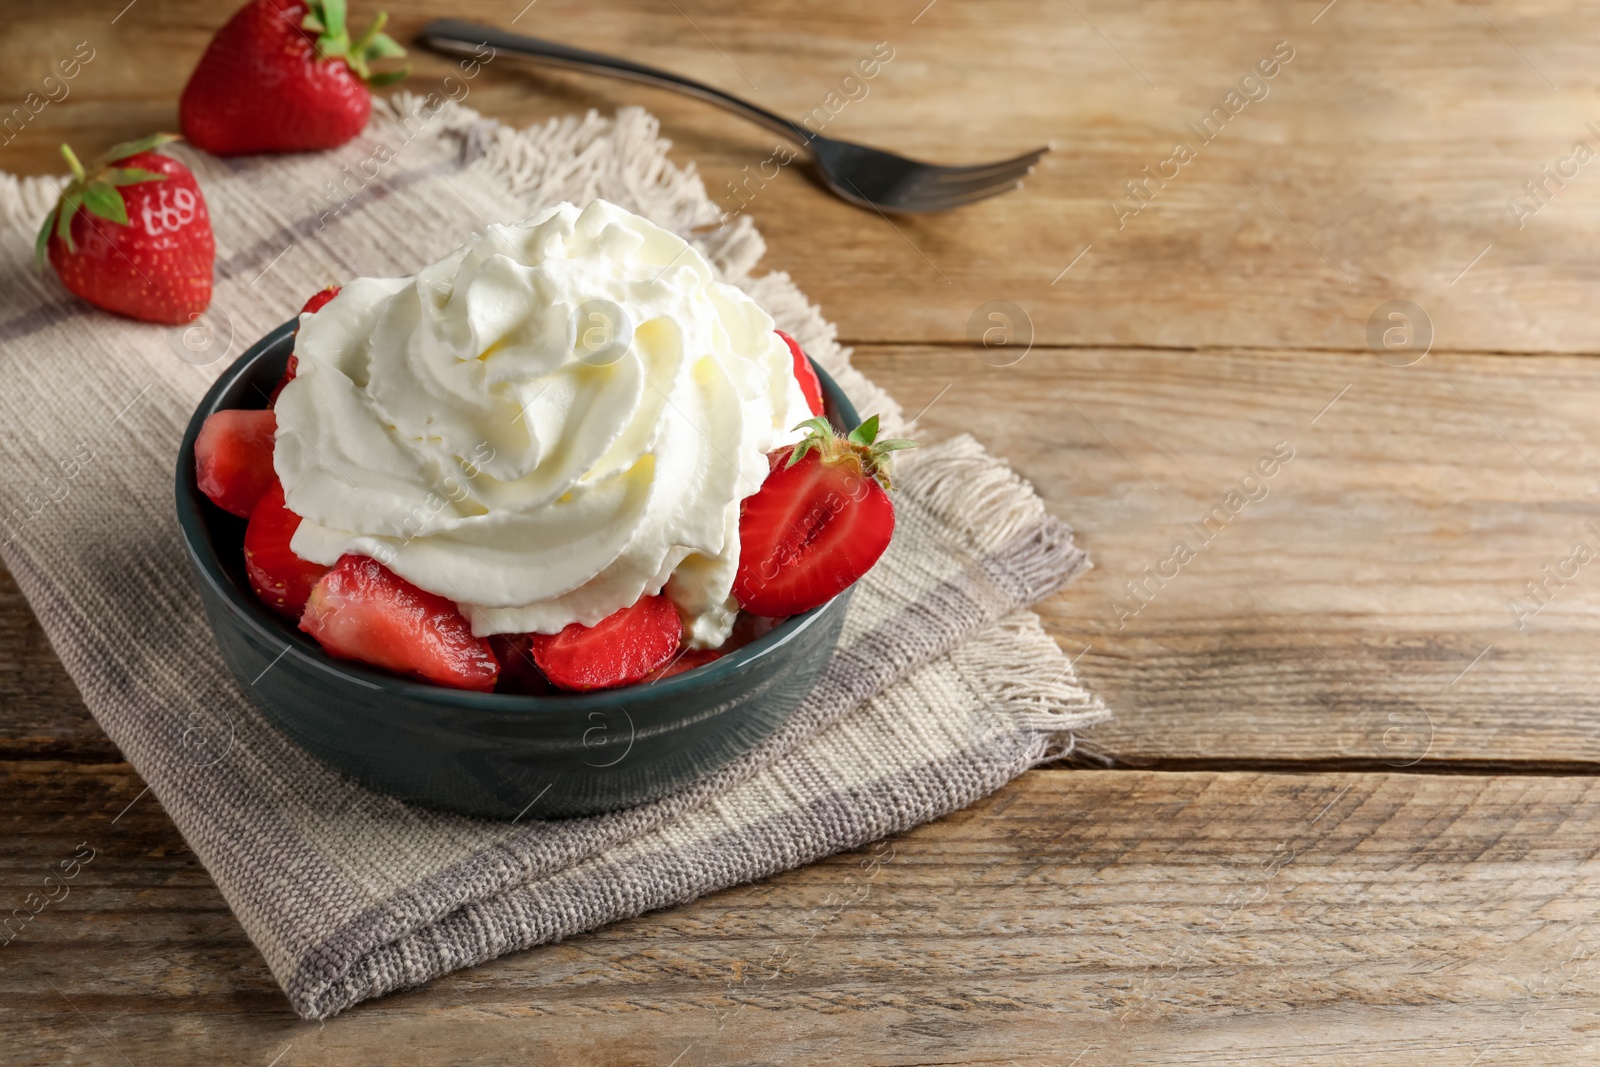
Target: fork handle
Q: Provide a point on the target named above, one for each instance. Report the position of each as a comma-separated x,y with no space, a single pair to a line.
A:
455,37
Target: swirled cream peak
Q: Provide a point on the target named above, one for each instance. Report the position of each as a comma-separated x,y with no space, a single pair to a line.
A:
552,421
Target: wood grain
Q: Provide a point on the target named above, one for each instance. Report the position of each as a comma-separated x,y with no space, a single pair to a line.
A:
1117,916
1358,616
1379,165
1365,610
41,714
1367,606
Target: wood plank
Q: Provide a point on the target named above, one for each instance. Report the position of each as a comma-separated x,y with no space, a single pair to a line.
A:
41,713
1088,918
1362,609
1379,165
1345,616
1130,917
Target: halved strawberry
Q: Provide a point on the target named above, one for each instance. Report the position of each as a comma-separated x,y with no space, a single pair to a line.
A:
819,522
362,610
279,578
620,649
805,374
312,306
233,459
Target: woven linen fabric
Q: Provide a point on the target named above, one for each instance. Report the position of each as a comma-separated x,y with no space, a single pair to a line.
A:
944,686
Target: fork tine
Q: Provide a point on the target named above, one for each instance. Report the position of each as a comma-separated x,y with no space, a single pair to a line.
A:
888,182
929,195
928,204
1018,164
931,186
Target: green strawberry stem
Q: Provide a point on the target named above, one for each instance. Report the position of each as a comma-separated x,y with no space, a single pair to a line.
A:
860,447
326,19
133,148
72,161
95,189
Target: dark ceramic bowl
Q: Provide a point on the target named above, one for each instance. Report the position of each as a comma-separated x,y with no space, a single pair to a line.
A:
490,754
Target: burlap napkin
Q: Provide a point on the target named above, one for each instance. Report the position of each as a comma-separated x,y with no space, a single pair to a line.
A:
943,689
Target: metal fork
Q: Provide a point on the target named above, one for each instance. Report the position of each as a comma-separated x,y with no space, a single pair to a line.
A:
862,175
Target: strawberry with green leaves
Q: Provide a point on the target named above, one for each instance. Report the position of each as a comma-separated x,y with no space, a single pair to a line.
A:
131,234
285,76
818,523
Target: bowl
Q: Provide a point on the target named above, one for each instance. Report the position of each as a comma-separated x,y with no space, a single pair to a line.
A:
487,754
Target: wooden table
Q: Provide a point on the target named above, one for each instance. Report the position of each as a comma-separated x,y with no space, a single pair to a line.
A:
1347,813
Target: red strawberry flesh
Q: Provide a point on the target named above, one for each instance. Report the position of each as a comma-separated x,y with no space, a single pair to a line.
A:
819,522
361,610
233,459
811,531
688,661
312,306
319,299
280,579
746,628
805,374
620,649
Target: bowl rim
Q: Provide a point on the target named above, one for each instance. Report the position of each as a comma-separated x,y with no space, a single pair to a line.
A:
207,565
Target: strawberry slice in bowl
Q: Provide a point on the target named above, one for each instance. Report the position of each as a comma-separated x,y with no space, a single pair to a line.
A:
280,579
621,649
318,301
526,750
233,459
805,372
362,610
818,523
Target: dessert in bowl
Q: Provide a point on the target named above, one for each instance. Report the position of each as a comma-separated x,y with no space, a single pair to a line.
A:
555,526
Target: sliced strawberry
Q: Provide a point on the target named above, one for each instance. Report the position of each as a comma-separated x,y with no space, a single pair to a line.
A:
320,298
746,628
805,374
819,522
518,674
688,661
279,578
312,306
362,610
288,376
233,459
620,649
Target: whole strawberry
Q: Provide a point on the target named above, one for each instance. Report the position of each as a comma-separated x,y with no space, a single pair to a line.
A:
284,76
131,234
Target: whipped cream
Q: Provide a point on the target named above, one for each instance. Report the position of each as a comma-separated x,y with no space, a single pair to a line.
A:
552,421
